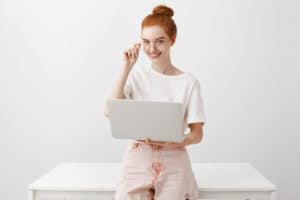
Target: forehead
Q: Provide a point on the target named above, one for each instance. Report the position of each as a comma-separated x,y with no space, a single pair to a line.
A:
153,32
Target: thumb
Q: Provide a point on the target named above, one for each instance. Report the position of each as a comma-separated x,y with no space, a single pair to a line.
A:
137,45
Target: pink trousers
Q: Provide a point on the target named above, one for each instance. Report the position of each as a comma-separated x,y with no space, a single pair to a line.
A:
152,172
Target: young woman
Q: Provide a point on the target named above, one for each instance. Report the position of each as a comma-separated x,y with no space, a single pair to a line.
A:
153,169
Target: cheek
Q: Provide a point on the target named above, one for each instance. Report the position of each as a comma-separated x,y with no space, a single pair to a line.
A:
164,49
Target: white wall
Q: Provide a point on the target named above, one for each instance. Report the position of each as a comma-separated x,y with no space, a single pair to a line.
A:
59,59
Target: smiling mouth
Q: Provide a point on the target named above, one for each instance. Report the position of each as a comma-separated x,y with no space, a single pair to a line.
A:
154,55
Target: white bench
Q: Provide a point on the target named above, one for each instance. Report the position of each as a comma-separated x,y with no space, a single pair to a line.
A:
97,181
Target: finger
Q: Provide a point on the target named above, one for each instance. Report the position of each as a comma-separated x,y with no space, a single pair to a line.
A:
158,143
150,141
134,52
131,53
137,45
137,50
128,53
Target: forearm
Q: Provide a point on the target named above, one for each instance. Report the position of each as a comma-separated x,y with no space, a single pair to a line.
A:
117,91
193,137
118,87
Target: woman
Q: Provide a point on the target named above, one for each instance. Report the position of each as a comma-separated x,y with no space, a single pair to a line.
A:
153,169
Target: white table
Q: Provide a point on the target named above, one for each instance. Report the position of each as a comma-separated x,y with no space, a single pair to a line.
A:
97,181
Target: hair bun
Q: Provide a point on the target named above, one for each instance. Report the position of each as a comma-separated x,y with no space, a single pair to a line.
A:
163,10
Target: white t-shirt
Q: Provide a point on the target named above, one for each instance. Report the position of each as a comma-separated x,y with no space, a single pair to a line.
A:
145,83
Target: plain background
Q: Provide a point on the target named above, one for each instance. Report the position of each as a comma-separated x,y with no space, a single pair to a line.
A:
59,59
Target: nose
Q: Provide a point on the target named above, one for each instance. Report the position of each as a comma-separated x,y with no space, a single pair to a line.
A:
152,48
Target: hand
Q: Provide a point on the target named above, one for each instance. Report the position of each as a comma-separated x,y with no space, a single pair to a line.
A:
131,55
163,144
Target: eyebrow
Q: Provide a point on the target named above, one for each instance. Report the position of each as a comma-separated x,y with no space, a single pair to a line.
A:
156,38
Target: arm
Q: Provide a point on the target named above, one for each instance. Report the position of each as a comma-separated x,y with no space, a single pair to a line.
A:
193,137
130,57
117,90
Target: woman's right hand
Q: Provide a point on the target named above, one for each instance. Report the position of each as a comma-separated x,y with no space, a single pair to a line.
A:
131,55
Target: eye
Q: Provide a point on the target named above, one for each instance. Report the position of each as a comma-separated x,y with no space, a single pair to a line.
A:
146,42
160,41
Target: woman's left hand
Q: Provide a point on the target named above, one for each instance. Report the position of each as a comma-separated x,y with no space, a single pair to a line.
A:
163,144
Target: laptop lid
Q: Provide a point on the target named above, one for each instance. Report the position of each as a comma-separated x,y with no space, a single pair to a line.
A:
137,119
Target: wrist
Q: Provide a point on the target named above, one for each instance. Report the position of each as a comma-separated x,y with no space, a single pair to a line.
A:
188,140
127,67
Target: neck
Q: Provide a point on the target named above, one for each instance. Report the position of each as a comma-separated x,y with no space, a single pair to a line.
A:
162,66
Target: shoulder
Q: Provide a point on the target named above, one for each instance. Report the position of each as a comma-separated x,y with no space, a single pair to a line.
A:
193,84
192,79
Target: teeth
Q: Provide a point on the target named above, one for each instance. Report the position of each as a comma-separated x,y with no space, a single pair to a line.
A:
154,55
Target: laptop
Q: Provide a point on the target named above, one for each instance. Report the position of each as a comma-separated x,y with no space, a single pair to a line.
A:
139,120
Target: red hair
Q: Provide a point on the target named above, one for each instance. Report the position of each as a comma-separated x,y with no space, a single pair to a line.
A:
162,16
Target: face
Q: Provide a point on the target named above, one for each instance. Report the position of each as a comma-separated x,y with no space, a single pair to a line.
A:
156,43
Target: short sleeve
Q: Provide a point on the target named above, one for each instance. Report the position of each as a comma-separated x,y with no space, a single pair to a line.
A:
195,107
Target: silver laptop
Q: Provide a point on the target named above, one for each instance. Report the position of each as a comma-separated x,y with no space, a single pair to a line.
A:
139,120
